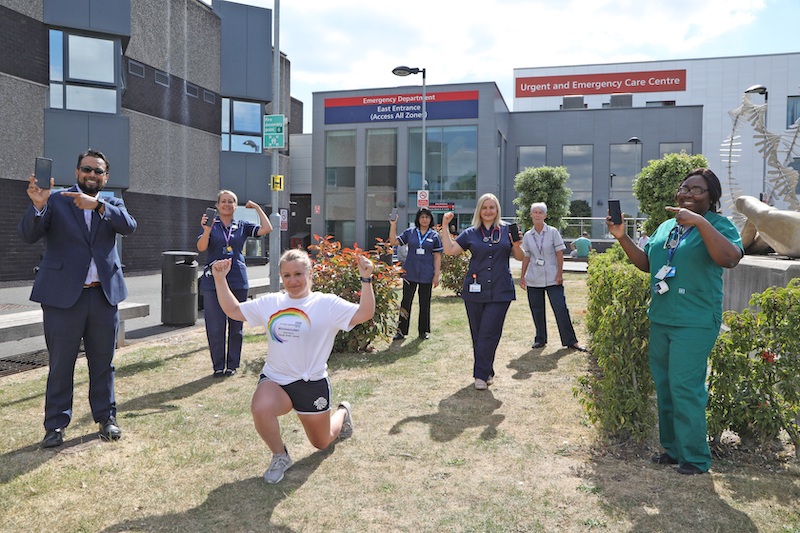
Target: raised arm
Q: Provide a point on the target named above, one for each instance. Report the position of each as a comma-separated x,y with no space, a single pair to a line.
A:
451,247
366,304
634,253
263,219
227,301
722,251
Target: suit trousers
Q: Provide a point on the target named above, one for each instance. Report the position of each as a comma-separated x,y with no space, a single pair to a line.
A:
486,327
95,321
409,288
678,362
555,293
217,326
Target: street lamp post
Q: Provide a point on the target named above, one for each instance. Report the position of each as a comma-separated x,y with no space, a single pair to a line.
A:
406,71
760,89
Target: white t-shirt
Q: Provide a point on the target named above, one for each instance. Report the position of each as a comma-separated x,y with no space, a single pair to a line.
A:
300,332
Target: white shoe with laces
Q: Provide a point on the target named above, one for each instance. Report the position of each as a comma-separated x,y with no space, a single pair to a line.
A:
277,467
347,425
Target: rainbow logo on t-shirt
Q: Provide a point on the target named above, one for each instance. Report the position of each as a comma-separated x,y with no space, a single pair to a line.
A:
287,323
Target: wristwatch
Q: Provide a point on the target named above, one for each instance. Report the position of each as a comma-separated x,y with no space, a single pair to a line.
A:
366,280
100,204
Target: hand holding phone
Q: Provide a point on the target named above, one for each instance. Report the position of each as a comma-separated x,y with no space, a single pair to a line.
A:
393,216
43,171
211,214
615,212
513,230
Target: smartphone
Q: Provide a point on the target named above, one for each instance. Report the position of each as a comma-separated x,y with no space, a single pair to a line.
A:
513,229
615,211
393,216
211,214
43,171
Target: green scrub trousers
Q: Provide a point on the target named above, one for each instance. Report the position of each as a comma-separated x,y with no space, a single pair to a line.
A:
679,362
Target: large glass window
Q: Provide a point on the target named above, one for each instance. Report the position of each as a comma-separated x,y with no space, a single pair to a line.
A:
84,72
792,110
674,148
625,162
578,158
531,156
241,126
340,185
381,182
451,166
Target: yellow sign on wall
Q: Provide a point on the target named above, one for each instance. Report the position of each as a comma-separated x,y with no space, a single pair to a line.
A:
277,182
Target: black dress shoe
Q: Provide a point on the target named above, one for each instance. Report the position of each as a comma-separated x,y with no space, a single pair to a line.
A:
398,337
578,347
230,372
664,459
538,345
689,469
219,373
425,336
53,438
109,430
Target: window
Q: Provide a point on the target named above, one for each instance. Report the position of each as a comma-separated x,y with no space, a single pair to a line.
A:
242,126
661,103
209,97
625,161
674,148
340,185
451,165
792,110
84,72
381,181
578,158
531,156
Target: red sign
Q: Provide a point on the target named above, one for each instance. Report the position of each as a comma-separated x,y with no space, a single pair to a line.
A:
422,198
442,206
606,83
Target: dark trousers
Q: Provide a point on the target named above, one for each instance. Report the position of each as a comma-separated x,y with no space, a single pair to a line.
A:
95,321
409,288
216,325
555,293
486,327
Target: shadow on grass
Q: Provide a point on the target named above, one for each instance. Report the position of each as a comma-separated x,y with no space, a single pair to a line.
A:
23,460
245,505
393,353
536,361
465,409
656,498
126,370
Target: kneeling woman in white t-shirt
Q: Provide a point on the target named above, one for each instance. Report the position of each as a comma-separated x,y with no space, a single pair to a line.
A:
301,326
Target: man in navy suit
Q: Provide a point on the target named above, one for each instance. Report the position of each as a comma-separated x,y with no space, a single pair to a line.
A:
79,284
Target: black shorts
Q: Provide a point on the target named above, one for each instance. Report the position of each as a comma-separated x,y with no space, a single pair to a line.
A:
308,397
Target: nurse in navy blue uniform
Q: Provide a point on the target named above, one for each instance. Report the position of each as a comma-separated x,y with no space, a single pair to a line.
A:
488,286
422,267
224,238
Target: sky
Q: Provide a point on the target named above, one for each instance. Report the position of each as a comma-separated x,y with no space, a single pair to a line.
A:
355,44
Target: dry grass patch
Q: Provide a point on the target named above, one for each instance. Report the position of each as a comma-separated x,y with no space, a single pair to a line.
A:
429,452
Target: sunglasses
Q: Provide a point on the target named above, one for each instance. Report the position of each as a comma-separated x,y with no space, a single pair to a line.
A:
696,190
88,170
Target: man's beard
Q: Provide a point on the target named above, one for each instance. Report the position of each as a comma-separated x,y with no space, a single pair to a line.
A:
90,190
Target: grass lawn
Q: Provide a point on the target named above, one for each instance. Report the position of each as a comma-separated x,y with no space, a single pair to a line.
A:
429,452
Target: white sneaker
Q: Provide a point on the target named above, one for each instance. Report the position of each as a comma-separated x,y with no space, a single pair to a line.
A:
277,467
347,426
480,384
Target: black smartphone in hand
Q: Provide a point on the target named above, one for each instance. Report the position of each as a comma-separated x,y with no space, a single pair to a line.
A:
615,212
513,230
211,214
393,216
43,170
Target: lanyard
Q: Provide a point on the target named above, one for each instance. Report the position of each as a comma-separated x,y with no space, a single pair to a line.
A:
539,245
230,232
677,239
422,237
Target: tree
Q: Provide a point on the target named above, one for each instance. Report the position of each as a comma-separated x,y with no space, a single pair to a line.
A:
654,187
579,208
542,184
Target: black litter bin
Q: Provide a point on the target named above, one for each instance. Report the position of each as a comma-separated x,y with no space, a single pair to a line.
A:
179,288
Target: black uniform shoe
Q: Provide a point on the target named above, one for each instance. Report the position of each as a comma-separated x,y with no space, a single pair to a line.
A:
109,430
230,372
689,469
398,337
664,459
53,438
425,336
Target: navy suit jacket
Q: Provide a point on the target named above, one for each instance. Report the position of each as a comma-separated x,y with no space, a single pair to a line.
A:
70,247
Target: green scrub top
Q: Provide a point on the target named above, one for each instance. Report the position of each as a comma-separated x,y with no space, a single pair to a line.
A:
694,298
